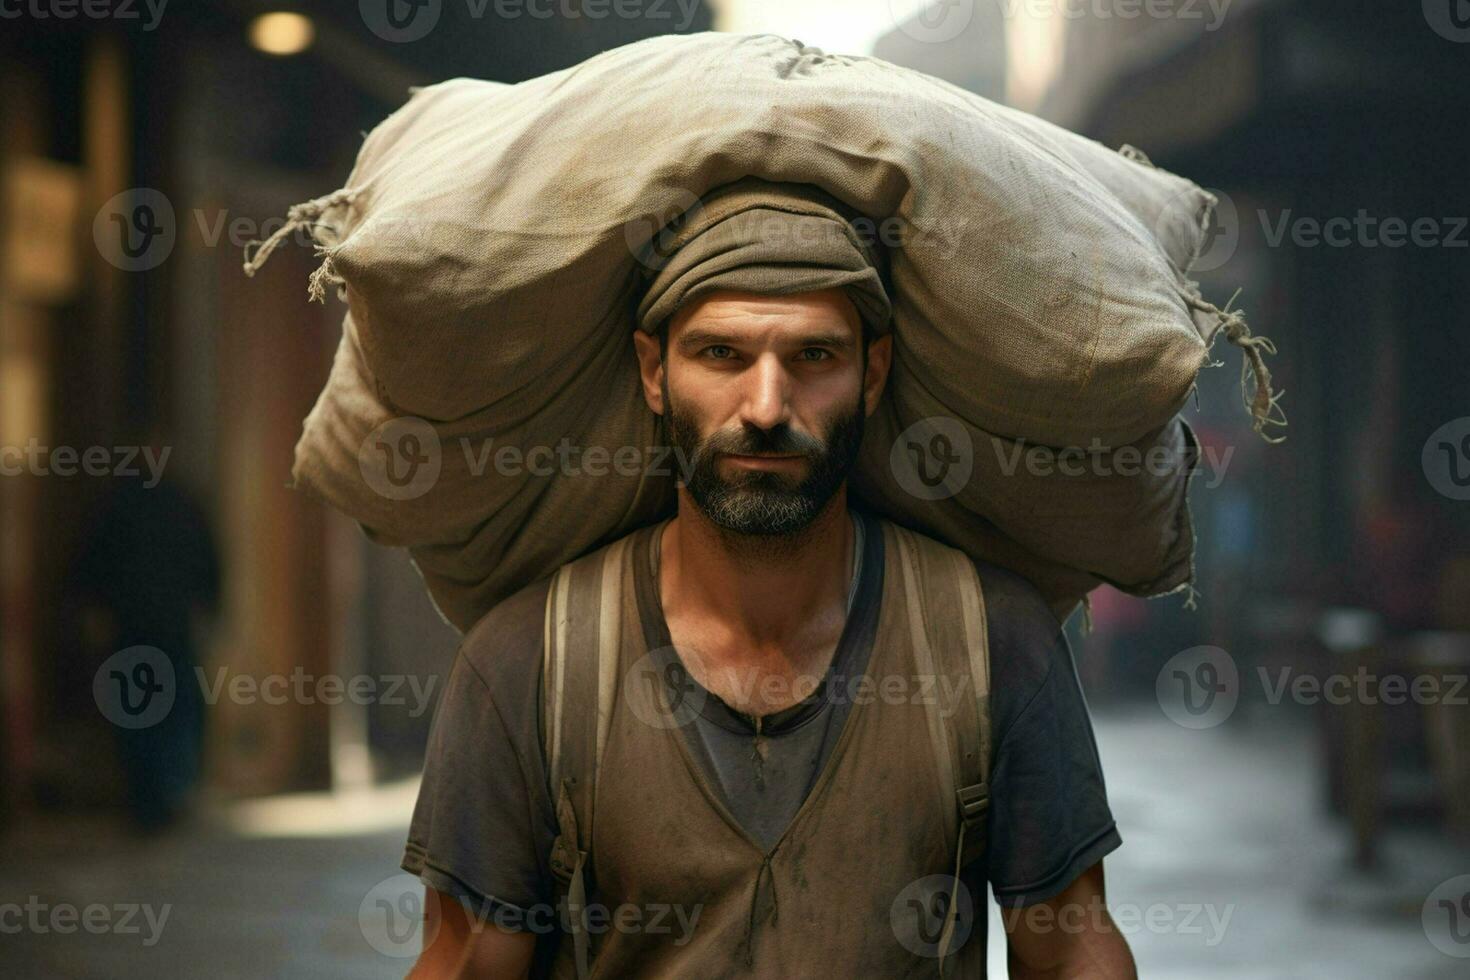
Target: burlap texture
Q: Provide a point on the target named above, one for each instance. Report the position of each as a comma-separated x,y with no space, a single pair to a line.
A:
493,243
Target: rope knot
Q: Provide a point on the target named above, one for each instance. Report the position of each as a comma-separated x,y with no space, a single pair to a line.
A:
305,215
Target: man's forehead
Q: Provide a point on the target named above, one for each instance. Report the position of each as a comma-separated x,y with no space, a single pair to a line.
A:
827,311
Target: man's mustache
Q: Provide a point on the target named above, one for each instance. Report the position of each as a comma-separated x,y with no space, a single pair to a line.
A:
754,441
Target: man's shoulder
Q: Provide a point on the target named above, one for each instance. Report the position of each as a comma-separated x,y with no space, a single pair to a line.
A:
1009,597
1012,598
503,647
507,640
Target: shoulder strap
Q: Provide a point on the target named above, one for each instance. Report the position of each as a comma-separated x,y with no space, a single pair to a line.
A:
945,609
580,645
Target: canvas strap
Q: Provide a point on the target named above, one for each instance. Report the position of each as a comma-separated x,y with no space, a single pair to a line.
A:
583,619
945,609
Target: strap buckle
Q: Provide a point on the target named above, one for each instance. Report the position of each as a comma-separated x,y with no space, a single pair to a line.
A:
564,856
974,802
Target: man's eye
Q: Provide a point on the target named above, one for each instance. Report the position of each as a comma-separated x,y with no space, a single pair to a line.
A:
814,354
719,351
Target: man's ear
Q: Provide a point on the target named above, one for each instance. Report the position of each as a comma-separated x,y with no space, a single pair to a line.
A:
880,357
650,369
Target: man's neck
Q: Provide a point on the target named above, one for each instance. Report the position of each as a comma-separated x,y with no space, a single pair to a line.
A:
762,591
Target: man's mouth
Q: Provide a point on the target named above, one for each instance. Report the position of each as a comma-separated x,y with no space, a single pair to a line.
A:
763,460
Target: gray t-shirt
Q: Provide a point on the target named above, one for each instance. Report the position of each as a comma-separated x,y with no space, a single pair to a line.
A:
485,820
764,767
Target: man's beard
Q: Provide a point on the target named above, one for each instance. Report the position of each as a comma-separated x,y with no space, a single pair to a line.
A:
765,504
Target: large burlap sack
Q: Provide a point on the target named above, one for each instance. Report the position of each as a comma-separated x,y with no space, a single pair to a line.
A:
484,410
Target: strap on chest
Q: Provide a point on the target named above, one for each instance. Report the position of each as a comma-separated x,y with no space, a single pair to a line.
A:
945,609
584,612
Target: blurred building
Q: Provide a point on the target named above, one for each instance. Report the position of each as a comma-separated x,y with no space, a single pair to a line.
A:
138,159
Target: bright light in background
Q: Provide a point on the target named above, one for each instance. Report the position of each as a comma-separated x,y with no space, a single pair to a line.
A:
1033,52
1034,32
835,26
281,33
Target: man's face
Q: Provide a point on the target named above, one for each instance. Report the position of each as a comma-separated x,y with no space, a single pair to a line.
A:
764,397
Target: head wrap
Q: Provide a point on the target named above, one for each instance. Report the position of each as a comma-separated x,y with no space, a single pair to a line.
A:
762,237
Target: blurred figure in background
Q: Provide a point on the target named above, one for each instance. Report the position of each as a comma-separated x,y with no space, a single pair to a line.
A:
146,573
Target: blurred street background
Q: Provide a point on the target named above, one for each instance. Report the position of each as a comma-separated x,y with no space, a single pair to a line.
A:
1289,760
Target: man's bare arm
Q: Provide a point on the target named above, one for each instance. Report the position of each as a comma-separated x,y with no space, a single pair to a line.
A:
1070,936
458,946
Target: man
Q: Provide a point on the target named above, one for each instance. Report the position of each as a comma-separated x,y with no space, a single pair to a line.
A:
780,819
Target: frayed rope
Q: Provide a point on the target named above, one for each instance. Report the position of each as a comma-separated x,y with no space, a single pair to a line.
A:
1262,403
303,215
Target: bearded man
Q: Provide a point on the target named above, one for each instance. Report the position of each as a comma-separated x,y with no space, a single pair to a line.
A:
760,813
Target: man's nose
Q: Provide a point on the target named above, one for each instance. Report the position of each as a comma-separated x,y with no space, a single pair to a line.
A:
767,393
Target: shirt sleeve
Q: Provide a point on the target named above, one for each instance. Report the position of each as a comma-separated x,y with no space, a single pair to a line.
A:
480,830
1049,815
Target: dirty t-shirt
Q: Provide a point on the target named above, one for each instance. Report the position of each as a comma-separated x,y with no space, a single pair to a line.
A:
485,820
